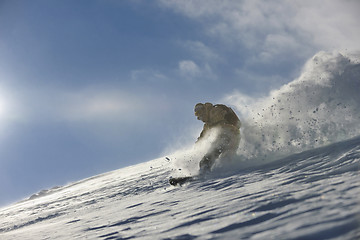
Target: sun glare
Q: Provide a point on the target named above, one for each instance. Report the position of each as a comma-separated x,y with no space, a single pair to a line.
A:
3,107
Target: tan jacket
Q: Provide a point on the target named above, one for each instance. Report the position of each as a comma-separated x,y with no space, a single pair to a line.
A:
221,116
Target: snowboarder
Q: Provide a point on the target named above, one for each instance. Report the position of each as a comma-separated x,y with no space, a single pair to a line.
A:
223,119
226,122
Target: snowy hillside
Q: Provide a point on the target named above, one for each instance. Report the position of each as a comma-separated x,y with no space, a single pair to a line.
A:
311,195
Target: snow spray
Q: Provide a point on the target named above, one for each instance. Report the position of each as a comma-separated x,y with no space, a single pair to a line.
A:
318,108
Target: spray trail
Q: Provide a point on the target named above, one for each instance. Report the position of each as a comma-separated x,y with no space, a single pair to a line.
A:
318,108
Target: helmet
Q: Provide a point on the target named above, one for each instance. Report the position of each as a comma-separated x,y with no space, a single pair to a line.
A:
202,111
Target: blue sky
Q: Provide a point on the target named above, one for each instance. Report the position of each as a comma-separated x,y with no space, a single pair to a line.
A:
92,86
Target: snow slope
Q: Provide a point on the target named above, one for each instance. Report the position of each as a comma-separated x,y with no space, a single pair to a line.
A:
311,195
296,176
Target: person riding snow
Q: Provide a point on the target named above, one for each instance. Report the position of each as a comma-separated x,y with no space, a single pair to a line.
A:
226,122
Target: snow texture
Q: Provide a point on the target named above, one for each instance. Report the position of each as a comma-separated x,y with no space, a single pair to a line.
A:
296,176
311,195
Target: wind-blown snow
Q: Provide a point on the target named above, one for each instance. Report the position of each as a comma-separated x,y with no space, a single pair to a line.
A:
296,176
318,108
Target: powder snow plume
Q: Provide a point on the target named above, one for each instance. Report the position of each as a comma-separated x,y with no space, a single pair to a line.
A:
318,108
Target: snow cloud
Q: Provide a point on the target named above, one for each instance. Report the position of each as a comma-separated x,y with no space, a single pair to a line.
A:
318,108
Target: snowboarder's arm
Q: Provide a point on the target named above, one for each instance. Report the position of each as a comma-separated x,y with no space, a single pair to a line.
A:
203,132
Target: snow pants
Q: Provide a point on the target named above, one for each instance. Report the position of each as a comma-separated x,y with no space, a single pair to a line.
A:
224,145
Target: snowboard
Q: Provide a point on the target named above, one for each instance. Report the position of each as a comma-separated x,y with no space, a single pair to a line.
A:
180,180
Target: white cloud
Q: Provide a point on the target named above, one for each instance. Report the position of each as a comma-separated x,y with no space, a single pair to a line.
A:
277,28
148,75
276,45
331,24
190,70
108,105
201,51
111,105
90,105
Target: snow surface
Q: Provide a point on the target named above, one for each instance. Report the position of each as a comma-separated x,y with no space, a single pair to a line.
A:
296,176
311,195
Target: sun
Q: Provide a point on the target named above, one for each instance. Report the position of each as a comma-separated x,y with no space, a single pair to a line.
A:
3,107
